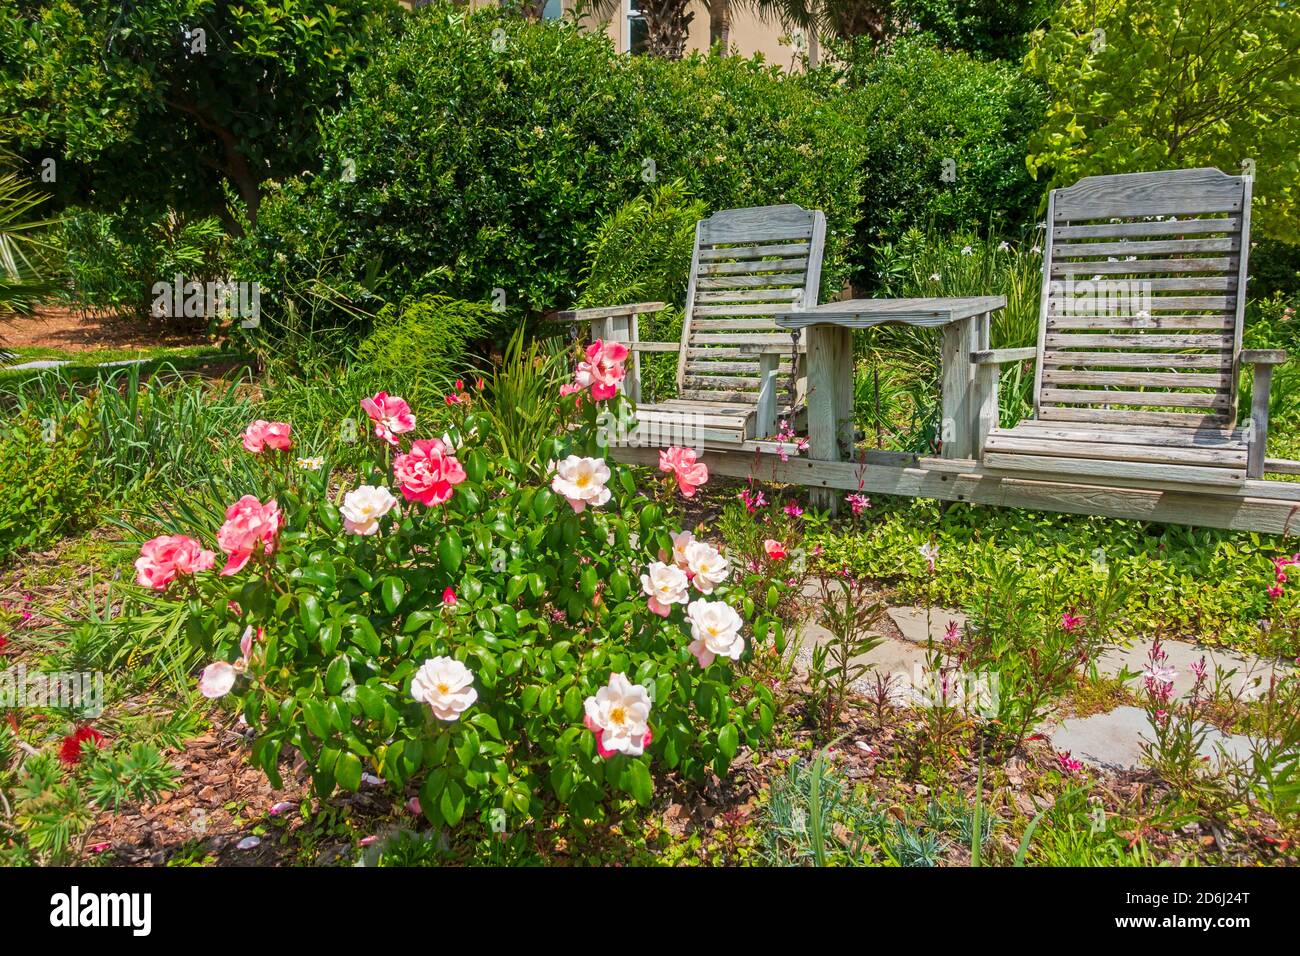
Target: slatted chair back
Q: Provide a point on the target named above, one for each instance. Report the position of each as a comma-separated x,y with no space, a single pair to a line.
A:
748,265
1143,293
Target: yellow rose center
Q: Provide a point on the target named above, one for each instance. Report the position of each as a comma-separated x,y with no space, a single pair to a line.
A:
617,715
444,689
582,481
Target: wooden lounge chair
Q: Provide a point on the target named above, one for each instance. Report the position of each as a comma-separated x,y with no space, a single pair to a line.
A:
735,368
1139,340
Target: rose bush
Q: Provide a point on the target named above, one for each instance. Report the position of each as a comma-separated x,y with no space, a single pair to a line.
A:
496,634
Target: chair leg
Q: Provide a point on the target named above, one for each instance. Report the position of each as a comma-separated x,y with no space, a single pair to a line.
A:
769,364
1258,447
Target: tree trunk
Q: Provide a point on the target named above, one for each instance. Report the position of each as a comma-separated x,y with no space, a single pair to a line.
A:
667,24
532,10
720,23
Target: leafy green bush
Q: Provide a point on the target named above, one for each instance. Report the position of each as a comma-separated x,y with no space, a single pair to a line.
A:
48,482
423,341
497,579
1182,582
920,107
461,169
642,253
113,259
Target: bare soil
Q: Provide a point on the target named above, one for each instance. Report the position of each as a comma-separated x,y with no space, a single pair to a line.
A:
73,330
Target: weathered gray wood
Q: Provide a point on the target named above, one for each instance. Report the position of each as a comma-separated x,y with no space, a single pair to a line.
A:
1052,376
750,295
1263,356
1113,468
775,280
765,417
756,224
1074,250
1254,506
1163,227
959,423
1140,340
1066,413
1222,322
1139,267
1281,466
1175,192
1057,359
830,364
987,410
1002,356
767,251
606,311
1259,419
1030,444
1133,434
866,313
1081,396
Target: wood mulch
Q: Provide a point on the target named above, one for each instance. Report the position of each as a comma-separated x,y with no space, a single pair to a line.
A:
73,330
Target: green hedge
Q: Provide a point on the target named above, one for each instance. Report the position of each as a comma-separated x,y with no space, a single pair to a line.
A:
466,164
921,106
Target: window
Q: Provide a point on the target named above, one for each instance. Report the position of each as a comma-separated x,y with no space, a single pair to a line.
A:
638,34
553,10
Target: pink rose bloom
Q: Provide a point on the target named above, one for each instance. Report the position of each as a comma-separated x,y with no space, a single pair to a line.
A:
427,473
682,463
391,415
163,558
775,549
262,434
1071,622
603,369
249,524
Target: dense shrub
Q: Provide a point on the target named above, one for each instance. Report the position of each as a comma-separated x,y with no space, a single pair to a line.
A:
47,479
423,341
448,644
921,106
112,260
461,168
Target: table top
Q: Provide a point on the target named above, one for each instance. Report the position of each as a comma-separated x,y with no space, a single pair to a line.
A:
864,313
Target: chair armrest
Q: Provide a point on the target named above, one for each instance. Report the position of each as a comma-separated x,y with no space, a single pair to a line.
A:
606,312
653,346
771,348
1263,356
1002,356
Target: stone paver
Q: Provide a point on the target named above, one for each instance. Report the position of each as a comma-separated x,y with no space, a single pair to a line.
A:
1114,739
38,364
912,622
1251,677
901,659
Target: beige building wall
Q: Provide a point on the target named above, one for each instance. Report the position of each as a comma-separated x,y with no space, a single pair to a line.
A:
749,34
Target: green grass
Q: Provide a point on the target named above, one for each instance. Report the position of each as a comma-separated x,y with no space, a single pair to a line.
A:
85,364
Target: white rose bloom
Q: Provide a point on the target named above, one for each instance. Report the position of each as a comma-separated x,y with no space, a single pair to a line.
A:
363,508
444,684
665,585
707,566
581,481
619,715
680,540
715,625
